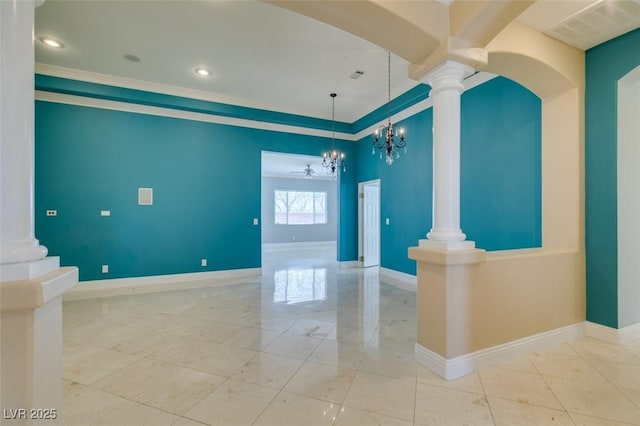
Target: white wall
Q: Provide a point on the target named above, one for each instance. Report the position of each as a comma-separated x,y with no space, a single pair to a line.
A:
629,198
272,233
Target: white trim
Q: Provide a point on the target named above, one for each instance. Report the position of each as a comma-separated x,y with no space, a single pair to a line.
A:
158,283
469,83
400,279
361,186
629,333
91,77
619,336
349,264
462,365
166,89
477,79
62,98
299,245
402,115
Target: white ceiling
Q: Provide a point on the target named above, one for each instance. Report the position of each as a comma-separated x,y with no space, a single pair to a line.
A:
293,166
260,55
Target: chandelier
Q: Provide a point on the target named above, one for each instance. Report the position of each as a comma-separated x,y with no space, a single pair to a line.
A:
384,138
333,159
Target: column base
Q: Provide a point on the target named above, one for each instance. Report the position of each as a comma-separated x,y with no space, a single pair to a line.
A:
446,280
447,245
24,271
31,345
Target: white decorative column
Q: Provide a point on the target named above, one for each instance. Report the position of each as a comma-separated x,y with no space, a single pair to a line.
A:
447,264
16,155
446,90
31,285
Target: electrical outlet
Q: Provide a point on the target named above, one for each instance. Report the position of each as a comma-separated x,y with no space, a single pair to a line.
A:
203,262
387,221
105,269
255,220
105,213
52,212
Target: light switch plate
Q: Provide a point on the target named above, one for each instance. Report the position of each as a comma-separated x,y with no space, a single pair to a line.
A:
105,213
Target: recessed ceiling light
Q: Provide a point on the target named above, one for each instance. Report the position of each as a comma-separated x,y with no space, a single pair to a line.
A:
52,42
203,72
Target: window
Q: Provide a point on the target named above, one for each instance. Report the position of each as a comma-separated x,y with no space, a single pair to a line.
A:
300,207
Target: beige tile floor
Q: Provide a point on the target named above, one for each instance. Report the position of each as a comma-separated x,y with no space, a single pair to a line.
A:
313,344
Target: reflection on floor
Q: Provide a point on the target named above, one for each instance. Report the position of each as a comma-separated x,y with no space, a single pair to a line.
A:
300,285
314,344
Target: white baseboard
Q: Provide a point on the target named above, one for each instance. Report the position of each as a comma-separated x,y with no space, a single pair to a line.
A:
462,365
399,279
617,336
349,264
299,245
157,283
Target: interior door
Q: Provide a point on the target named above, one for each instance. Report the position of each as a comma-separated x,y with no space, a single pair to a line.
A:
371,225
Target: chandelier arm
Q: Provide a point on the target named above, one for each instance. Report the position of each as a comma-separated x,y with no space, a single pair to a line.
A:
384,138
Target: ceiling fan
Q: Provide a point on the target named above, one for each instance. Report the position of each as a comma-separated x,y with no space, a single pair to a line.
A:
308,171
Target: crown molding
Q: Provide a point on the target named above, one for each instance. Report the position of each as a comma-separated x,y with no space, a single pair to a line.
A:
166,89
185,115
92,77
469,83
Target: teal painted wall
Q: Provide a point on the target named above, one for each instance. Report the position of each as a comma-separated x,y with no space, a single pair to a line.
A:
500,174
206,181
605,65
347,245
501,166
398,104
90,159
405,191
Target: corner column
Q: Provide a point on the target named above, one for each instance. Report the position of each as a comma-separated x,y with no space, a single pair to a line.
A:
446,90
31,284
447,264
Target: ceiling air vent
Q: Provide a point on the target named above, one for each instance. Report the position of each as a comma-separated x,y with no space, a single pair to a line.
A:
356,74
603,20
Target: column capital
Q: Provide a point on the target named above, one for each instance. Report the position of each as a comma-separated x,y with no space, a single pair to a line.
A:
448,74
